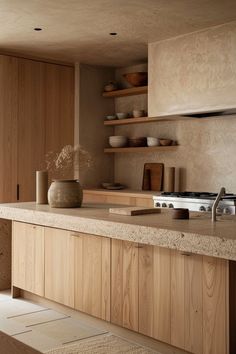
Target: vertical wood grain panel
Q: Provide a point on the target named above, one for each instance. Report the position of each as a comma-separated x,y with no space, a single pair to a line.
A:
130,285
117,282
177,299
28,257
92,275
106,278
193,303
31,125
59,266
124,295
232,306
146,290
162,294
215,272
59,113
8,128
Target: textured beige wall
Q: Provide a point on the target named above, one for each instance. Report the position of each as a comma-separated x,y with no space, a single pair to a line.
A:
194,72
197,71
91,108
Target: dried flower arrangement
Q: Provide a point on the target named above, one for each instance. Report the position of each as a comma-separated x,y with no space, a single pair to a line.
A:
66,163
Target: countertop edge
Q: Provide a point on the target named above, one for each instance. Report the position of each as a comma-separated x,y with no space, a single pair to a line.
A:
207,245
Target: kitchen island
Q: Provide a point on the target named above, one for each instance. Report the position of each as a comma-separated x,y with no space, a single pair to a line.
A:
173,280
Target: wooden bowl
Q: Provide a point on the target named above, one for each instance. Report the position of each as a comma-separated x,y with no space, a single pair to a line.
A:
165,142
180,213
137,142
136,79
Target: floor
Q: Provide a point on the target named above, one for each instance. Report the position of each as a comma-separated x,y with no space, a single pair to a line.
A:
45,327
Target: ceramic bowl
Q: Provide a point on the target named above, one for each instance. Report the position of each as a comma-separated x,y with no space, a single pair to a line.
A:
118,141
122,115
111,86
151,141
138,113
136,79
111,117
137,142
165,142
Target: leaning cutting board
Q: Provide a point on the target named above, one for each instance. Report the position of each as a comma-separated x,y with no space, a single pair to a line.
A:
153,176
131,211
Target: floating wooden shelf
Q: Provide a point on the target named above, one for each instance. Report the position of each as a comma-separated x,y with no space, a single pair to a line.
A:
127,92
143,120
142,149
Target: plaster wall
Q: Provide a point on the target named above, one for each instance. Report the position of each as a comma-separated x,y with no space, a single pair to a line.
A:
90,110
189,73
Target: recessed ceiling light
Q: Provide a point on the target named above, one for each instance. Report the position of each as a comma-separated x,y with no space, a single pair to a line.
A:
38,29
113,33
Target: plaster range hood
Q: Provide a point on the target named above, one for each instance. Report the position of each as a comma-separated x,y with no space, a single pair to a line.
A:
207,114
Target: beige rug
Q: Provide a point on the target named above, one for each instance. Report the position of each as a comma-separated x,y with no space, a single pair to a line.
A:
103,344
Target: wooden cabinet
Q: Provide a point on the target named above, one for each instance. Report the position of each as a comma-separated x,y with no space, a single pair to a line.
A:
8,128
36,117
92,275
124,284
59,266
118,197
177,298
28,257
31,125
59,106
77,271
154,292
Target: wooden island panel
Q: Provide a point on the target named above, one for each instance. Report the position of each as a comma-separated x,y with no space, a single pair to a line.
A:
59,266
124,284
28,257
92,275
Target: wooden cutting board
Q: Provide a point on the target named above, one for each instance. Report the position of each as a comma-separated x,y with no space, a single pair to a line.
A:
153,176
131,211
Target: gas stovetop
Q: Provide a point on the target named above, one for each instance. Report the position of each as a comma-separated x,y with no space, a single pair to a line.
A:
196,201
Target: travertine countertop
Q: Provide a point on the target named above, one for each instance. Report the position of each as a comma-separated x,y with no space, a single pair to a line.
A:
196,235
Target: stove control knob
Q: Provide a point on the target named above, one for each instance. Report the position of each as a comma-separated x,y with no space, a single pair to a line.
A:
219,210
164,205
227,211
209,208
202,208
171,205
158,205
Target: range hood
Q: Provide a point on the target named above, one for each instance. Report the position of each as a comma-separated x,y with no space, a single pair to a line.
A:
225,112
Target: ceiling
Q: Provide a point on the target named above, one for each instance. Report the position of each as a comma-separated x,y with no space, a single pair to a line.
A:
78,30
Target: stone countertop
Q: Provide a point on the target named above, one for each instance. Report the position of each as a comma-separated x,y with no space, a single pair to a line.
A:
196,235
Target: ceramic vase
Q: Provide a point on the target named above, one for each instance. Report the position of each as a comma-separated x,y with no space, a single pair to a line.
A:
65,194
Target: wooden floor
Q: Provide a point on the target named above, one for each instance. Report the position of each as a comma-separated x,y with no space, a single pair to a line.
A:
44,325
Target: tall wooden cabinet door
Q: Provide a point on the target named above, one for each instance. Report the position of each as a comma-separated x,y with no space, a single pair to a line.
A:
8,128
59,266
215,306
59,108
124,284
154,292
31,126
92,275
28,257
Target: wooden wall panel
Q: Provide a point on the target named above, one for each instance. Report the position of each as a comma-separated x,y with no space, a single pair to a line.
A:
31,125
8,128
59,113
